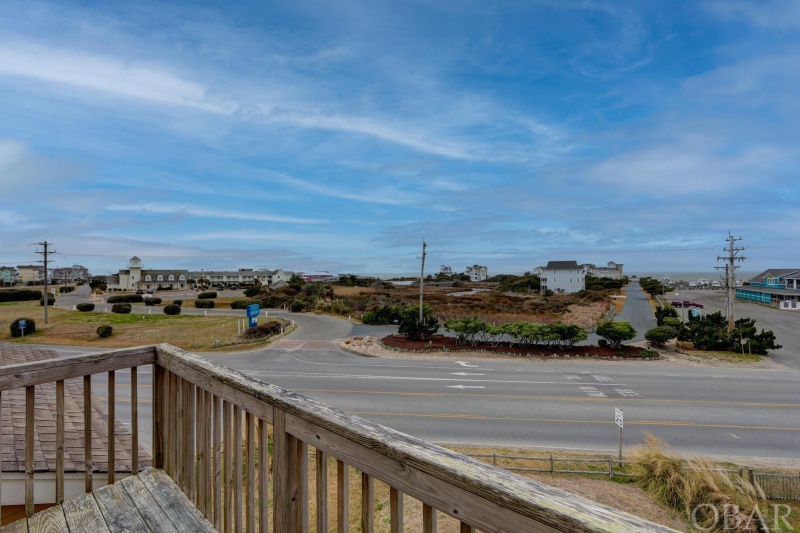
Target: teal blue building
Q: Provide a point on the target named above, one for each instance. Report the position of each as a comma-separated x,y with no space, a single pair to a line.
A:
772,286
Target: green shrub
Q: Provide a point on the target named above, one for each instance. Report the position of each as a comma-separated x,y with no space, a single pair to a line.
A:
267,329
152,301
20,295
252,292
104,331
411,327
207,295
172,309
660,335
616,333
602,343
297,306
30,327
65,289
125,298
204,304
122,309
242,304
672,321
85,307
51,300
177,302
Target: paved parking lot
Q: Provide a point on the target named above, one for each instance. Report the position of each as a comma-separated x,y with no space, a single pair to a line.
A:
785,324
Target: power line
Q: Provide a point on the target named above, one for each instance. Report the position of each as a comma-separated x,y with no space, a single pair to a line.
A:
45,261
730,275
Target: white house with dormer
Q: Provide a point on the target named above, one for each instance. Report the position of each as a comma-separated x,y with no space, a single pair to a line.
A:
562,277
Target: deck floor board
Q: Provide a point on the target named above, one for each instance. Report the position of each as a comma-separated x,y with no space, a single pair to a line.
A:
150,501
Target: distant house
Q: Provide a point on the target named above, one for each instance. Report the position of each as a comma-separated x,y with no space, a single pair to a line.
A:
563,277
269,278
446,270
772,286
477,272
243,276
137,277
30,273
611,270
8,276
70,274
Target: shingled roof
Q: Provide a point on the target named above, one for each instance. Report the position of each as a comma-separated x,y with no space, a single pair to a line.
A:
12,410
563,265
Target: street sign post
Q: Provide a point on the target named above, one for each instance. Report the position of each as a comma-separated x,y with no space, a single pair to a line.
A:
618,420
22,325
252,314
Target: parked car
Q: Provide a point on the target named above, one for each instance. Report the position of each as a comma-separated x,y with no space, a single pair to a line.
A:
685,303
149,291
139,291
233,287
220,288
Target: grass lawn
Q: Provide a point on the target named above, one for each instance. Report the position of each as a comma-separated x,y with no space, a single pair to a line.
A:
189,332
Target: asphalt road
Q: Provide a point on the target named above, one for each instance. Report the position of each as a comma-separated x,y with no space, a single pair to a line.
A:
637,311
785,324
713,411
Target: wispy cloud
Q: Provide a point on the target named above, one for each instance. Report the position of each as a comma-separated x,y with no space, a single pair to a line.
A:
197,211
766,14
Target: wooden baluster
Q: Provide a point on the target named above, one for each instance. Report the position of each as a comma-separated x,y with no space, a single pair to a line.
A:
111,421
30,396
237,468
250,485
367,503
218,479
428,519
302,485
60,441
87,432
207,453
134,422
228,476
263,476
200,423
189,442
466,528
285,472
158,396
178,428
322,491
342,496
396,510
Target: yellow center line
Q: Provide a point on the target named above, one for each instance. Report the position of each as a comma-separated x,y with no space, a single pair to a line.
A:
566,421
563,398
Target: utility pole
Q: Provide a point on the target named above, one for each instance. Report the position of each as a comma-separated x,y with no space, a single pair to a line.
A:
730,275
422,280
45,261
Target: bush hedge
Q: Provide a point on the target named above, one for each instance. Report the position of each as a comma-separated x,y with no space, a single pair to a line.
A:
51,300
85,307
204,304
122,309
104,331
30,327
267,329
177,302
242,304
207,295
252,292
152,301
67,288
660,335
125,298
20,295
172,309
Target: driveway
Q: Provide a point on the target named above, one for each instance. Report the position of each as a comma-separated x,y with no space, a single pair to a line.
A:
637,311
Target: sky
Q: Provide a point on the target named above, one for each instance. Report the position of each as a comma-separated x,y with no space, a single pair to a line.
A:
337,136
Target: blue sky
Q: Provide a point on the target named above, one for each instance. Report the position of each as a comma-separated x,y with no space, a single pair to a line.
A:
337,135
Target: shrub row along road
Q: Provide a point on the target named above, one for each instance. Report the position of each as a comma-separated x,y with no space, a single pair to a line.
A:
714,411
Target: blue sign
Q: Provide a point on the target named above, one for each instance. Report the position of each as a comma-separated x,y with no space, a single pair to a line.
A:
253,321
253,310
23,324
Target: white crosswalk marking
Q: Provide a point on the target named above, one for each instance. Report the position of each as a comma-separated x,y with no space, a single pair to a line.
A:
570,376
602,378
627,393
593,392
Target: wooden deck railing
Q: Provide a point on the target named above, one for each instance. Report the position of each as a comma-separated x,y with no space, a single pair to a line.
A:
239,449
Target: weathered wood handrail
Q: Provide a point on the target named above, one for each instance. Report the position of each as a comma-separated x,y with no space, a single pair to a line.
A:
208,418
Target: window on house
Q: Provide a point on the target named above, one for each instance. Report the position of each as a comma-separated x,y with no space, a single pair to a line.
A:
148,278
171,277
160,278
182,278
